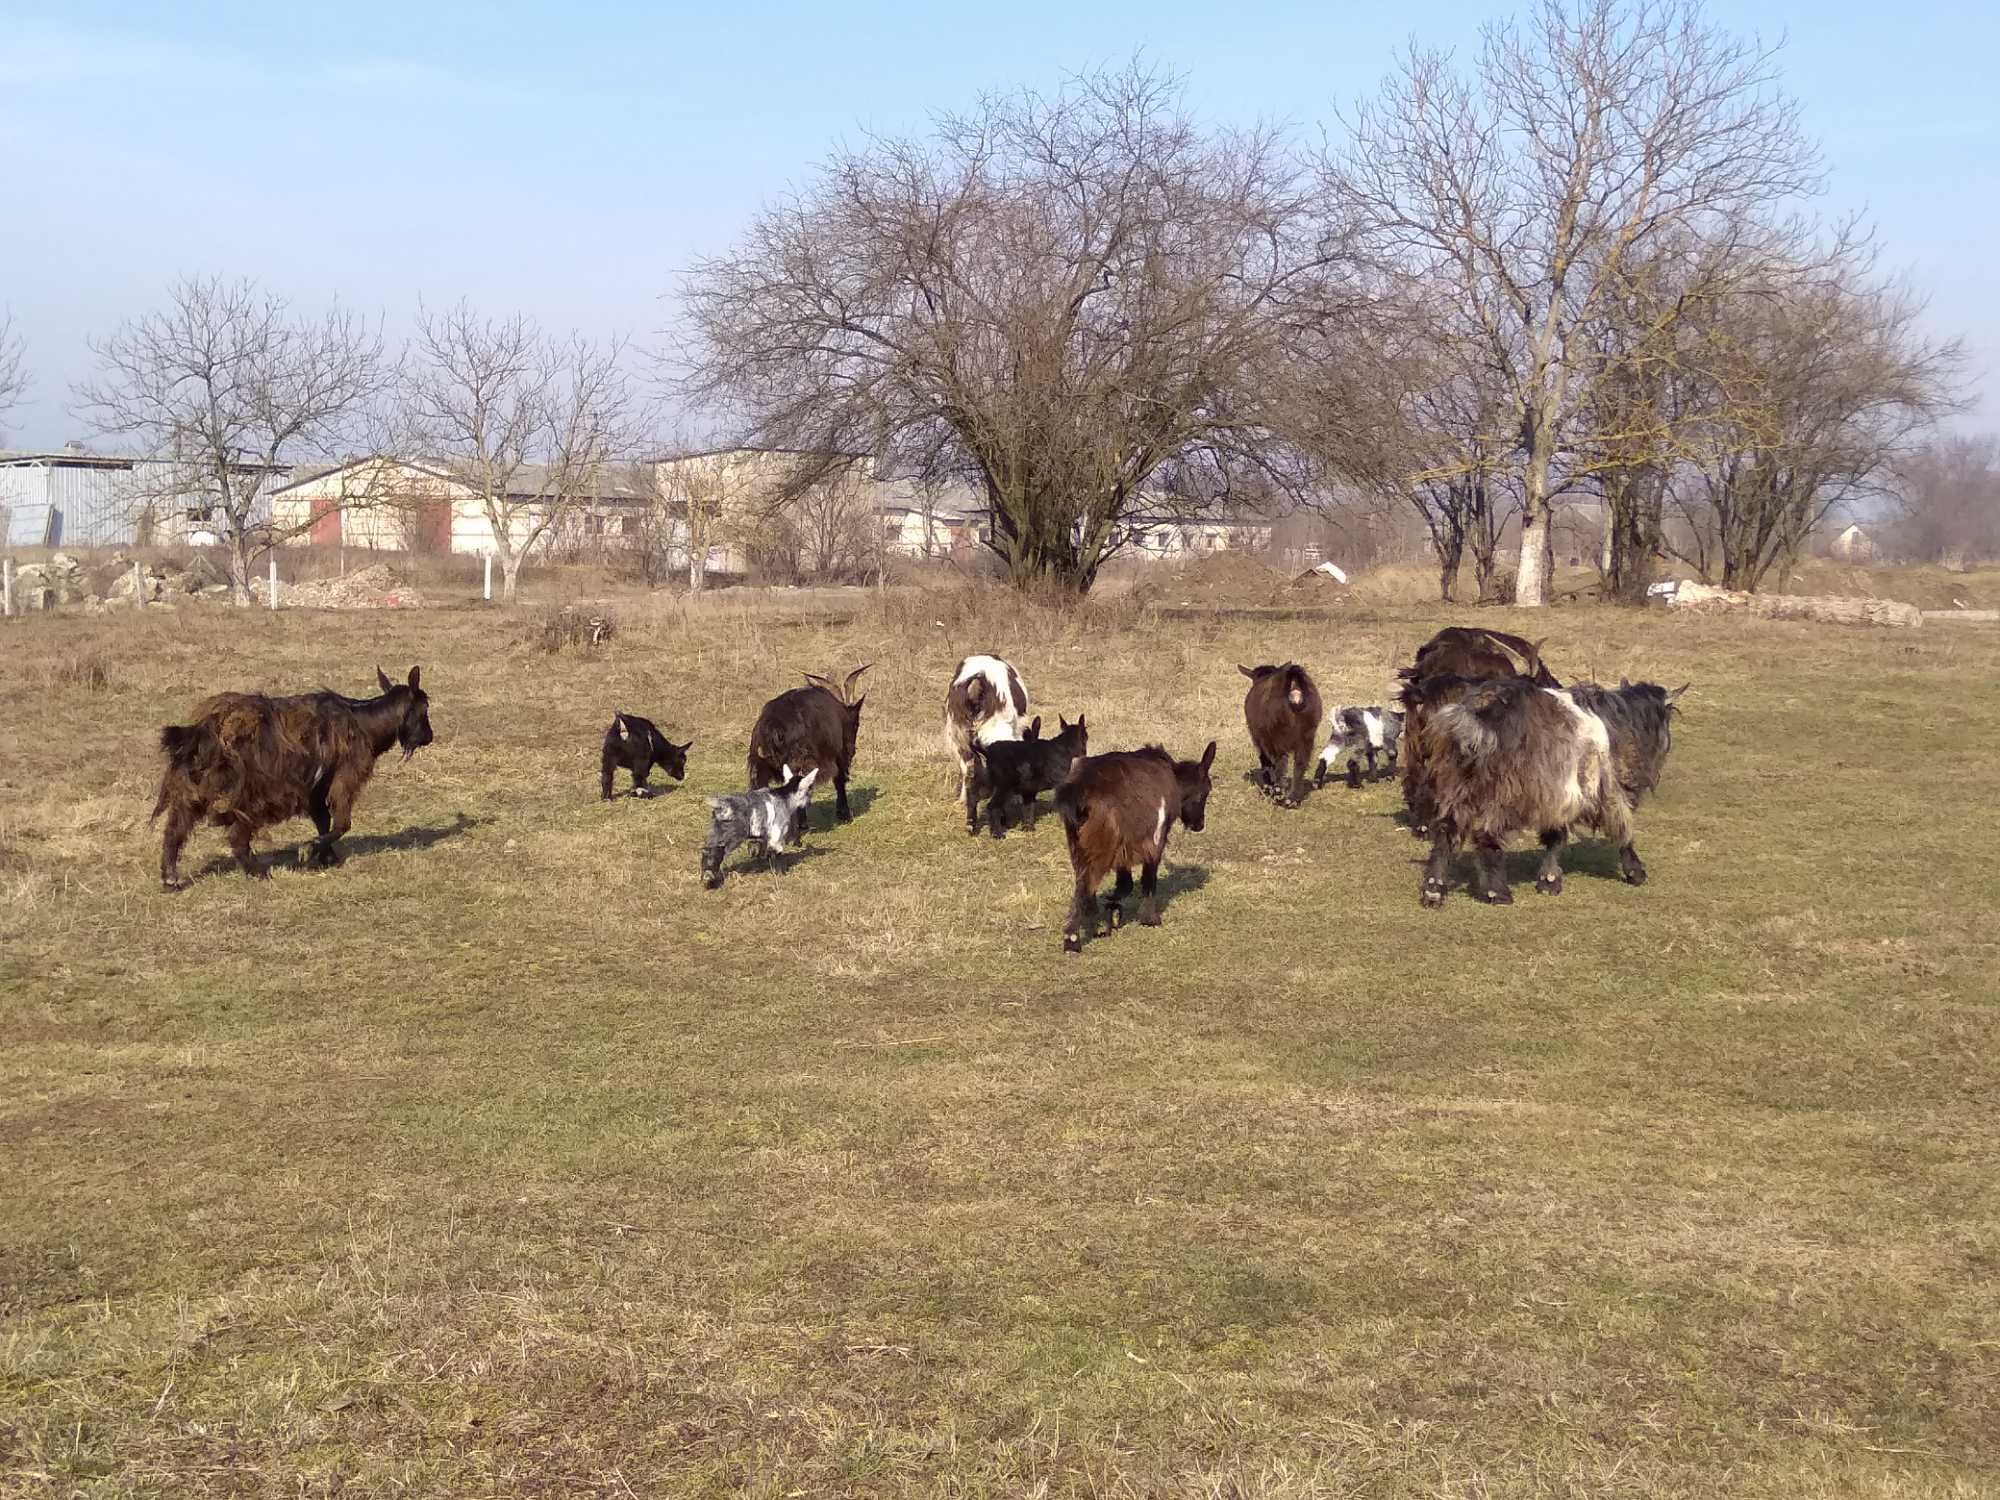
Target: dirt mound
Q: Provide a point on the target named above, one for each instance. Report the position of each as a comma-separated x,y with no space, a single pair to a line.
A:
1231,578
377,587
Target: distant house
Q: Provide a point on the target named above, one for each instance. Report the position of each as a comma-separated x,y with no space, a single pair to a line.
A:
409,505
1854,545
73,497
934,521
1175,538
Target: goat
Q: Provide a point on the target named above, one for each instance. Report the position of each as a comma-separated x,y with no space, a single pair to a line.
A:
1028,766
1283,711
249,761
1508,756
1358,732
984,705
1462,655
638,746
813,728
1117,810
767,818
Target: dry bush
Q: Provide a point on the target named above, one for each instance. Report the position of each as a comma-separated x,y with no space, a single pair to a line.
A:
570,627
72,669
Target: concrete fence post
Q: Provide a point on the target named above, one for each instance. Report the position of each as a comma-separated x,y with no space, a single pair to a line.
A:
489,577
274,580
7,586
138,582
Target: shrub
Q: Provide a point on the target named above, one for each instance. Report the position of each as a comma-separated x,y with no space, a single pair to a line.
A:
572,627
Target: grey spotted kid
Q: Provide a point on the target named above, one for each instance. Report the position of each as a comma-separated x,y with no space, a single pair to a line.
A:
766,818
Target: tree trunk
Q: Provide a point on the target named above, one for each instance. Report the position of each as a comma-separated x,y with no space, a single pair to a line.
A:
1632,534
1531,576
239,570
1449,557
510,573
697,558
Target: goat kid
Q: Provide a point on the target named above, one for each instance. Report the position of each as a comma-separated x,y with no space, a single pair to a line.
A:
1027,767
765,818
249,761
1117,810
813,728
1509,756
1359,732
1283,712
983,706
638,746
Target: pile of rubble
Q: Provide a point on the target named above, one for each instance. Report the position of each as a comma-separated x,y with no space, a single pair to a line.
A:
375,587
62,582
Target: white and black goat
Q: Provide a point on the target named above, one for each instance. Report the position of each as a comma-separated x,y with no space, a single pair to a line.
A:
766,818
1358,734
985,705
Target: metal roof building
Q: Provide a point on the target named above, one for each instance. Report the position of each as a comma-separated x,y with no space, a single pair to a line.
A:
75,498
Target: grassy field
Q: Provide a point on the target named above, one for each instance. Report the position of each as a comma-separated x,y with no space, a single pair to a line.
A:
507,1161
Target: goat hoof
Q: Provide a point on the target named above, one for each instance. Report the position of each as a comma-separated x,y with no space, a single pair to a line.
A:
173,886
1499,896
1433,896
1072,943
1149,919
1550,886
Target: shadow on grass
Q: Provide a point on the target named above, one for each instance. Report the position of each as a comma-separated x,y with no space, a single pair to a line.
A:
822,818
1173,882
292,857
776,864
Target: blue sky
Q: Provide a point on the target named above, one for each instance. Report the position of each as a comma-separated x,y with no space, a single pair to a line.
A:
569,161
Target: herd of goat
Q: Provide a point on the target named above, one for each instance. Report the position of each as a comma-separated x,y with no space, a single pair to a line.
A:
1490,743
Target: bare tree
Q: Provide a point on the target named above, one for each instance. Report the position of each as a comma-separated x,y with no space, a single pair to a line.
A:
1054,298
1947,502
712,497
228,387
13,380
1820,387
1581,141
530,425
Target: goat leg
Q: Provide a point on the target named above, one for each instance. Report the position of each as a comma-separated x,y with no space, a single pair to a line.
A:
1116,900
840,809
712,856
1491,859
1149,895
1631,869
1082,917
1549,879
239,845
1444,841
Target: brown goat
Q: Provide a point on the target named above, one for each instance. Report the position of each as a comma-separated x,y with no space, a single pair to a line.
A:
249,761
1117,810
1446,666
1283,711
812,728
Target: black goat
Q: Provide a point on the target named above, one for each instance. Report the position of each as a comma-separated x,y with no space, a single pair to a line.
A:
1028,766
638,746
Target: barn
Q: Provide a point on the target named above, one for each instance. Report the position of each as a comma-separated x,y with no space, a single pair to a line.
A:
72,497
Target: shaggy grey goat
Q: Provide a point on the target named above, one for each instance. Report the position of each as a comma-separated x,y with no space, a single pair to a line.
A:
767,818
1358,732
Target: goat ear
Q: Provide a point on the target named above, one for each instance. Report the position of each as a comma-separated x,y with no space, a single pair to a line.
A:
1246,671
415,673
1624,683
806,781
683,748
1208,756
853,677
1035,728
383,678
786,773
1675,694
813,679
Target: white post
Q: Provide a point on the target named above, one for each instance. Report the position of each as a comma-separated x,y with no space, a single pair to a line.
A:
7,586
274,580
489,576
138,582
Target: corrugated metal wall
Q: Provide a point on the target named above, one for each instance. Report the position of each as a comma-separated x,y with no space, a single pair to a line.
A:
85,505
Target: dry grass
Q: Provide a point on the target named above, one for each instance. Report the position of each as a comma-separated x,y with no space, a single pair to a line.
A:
504,1160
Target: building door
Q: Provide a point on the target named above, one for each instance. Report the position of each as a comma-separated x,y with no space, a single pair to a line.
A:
434,526
325,528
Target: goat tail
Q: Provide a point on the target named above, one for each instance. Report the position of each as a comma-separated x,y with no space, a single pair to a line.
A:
1069,806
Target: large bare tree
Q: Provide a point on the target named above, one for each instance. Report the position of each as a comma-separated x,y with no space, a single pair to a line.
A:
1947,502
528,423
1579,140
1820,386
230,388
1054,298
13,380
